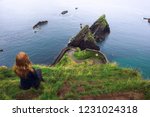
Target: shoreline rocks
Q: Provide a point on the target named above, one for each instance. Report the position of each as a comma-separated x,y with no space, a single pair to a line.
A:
40,23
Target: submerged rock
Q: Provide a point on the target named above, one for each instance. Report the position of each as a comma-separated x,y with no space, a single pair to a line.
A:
40,23
100,29
84,39
64,12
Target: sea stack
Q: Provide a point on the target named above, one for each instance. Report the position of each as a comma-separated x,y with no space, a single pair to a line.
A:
88,37
100,29
84,39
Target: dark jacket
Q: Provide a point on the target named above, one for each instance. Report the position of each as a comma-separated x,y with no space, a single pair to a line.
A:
31,80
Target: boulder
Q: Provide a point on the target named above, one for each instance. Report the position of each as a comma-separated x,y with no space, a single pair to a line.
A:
84,39
100,29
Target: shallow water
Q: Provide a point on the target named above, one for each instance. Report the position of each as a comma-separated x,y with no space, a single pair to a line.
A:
128,43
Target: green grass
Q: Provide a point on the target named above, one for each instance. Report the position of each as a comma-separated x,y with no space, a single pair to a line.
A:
69,80
86,54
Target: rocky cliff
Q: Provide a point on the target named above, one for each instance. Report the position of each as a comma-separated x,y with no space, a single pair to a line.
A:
100,29
84,39
87,37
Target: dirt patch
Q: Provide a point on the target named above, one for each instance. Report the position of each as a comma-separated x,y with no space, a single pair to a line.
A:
80,89
116,96
64,90
27,96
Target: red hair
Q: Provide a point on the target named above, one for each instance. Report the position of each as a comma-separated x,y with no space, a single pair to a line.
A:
23,65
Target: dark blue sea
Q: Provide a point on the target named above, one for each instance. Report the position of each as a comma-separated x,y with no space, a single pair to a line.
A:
128,43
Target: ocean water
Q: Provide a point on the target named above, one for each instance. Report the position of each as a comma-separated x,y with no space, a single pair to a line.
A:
128,43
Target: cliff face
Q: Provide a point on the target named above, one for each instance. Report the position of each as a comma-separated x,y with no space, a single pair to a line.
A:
84,39
100,29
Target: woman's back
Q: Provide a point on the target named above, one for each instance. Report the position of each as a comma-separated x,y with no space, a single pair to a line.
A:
31,80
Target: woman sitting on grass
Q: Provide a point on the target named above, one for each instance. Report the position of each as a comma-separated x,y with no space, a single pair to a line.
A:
29,77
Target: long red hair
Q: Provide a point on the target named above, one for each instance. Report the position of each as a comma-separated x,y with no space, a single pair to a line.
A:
23,65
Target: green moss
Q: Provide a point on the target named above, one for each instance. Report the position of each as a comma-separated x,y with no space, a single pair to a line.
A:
102,21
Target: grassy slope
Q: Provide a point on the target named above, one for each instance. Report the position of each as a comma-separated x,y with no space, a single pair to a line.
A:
82,55
69,80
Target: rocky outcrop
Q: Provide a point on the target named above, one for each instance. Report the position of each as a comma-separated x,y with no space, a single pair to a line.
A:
87,37
84,39
64,12
100,29
40,23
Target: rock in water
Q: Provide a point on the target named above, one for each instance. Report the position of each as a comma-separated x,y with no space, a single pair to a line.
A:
84,39
1,50
100,29
40,23
148,19
64,12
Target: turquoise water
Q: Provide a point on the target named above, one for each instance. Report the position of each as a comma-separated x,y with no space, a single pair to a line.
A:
128,43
